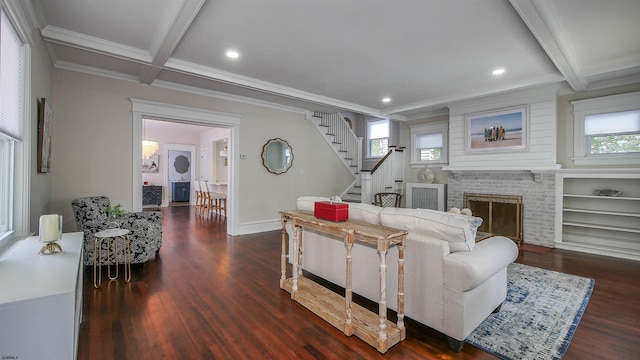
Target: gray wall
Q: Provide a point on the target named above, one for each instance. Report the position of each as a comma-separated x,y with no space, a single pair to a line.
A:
92,147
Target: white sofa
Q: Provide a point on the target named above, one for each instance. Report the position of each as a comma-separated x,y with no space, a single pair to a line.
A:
452,283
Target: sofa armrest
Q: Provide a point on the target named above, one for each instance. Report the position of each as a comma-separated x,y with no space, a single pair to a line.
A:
464,271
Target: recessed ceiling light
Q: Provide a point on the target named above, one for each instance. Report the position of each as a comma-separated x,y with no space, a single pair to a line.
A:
386,99
498,71
232,54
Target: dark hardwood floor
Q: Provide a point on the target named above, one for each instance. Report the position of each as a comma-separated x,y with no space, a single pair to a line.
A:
212,296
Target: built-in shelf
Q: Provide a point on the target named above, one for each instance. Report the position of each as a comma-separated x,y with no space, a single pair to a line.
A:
612,213
599,197
611,228
606,225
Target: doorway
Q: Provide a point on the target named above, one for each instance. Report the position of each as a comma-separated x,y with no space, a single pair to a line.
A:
177,115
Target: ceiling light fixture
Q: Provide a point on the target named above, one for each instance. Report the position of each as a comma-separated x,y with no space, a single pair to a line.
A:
386,99
232,54
498,71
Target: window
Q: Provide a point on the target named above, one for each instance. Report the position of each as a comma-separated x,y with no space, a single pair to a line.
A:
12,94
612,133
607,130
6,173
377,138
429,144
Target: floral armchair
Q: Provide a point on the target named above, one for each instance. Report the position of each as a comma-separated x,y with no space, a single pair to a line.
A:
145,229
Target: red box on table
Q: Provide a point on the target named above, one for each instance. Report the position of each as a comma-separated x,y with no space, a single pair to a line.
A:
329,210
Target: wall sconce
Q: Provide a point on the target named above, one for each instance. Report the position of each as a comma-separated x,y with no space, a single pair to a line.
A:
224,153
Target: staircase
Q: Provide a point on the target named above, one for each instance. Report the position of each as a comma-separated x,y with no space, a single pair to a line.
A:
386,176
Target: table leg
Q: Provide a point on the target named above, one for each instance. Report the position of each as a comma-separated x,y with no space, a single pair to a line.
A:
296,234
115,256
283,254
348,326
127,257
383,299
403,330
97,247
300,253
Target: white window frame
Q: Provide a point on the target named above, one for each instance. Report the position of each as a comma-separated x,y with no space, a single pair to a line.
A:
368,140
601,105
20,151
441,127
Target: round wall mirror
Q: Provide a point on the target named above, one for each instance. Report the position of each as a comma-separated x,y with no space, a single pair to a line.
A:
277,156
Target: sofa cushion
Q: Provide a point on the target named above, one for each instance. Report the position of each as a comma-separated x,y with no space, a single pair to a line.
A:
306,203
364,212
459,231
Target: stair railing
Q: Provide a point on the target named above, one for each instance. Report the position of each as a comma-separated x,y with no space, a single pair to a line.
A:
386,176
345,142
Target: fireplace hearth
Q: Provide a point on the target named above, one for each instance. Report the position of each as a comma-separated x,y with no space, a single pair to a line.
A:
501,214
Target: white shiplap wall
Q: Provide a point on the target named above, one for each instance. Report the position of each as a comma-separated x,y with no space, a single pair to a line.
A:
541,152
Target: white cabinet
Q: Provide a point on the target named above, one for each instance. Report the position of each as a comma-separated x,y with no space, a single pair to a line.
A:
606,225
41,300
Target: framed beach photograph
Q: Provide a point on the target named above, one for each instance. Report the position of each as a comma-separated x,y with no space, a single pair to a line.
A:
45,119
151,165
499,130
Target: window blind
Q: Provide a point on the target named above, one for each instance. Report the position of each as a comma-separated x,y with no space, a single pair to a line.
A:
612,123
10,85
429,141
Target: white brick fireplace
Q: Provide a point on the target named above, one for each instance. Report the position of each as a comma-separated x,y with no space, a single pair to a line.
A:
537,190
529,172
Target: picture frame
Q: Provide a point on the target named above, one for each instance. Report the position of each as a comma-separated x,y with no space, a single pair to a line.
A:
503,130
45,123
151,165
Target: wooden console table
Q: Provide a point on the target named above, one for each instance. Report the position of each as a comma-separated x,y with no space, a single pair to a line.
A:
339,311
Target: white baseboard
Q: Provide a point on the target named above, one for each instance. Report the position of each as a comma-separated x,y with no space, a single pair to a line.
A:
258,227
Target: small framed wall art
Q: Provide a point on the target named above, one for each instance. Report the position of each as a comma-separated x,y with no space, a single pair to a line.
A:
45,119
151,165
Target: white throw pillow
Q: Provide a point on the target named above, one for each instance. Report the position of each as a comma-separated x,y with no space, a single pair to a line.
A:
458,230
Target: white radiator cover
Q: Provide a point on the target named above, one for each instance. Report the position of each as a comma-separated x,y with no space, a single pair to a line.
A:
426,196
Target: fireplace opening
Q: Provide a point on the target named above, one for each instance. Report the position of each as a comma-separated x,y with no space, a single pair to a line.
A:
501,214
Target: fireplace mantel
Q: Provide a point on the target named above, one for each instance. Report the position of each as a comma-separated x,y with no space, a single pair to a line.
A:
537,171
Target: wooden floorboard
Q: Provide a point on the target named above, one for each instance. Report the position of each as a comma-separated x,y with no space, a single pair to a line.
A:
213,296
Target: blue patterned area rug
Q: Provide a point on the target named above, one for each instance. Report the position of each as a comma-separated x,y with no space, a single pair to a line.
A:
539,317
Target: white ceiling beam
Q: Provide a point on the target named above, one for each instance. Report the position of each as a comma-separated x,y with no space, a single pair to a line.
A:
186,67
538,24
171,28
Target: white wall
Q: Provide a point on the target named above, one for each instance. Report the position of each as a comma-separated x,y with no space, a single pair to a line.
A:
92,149
41,82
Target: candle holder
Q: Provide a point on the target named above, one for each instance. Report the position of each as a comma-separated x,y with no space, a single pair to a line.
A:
50,232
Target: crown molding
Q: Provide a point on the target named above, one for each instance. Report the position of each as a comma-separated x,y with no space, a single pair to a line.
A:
95,71
226,96
23,17
448,100
268,87
90,43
